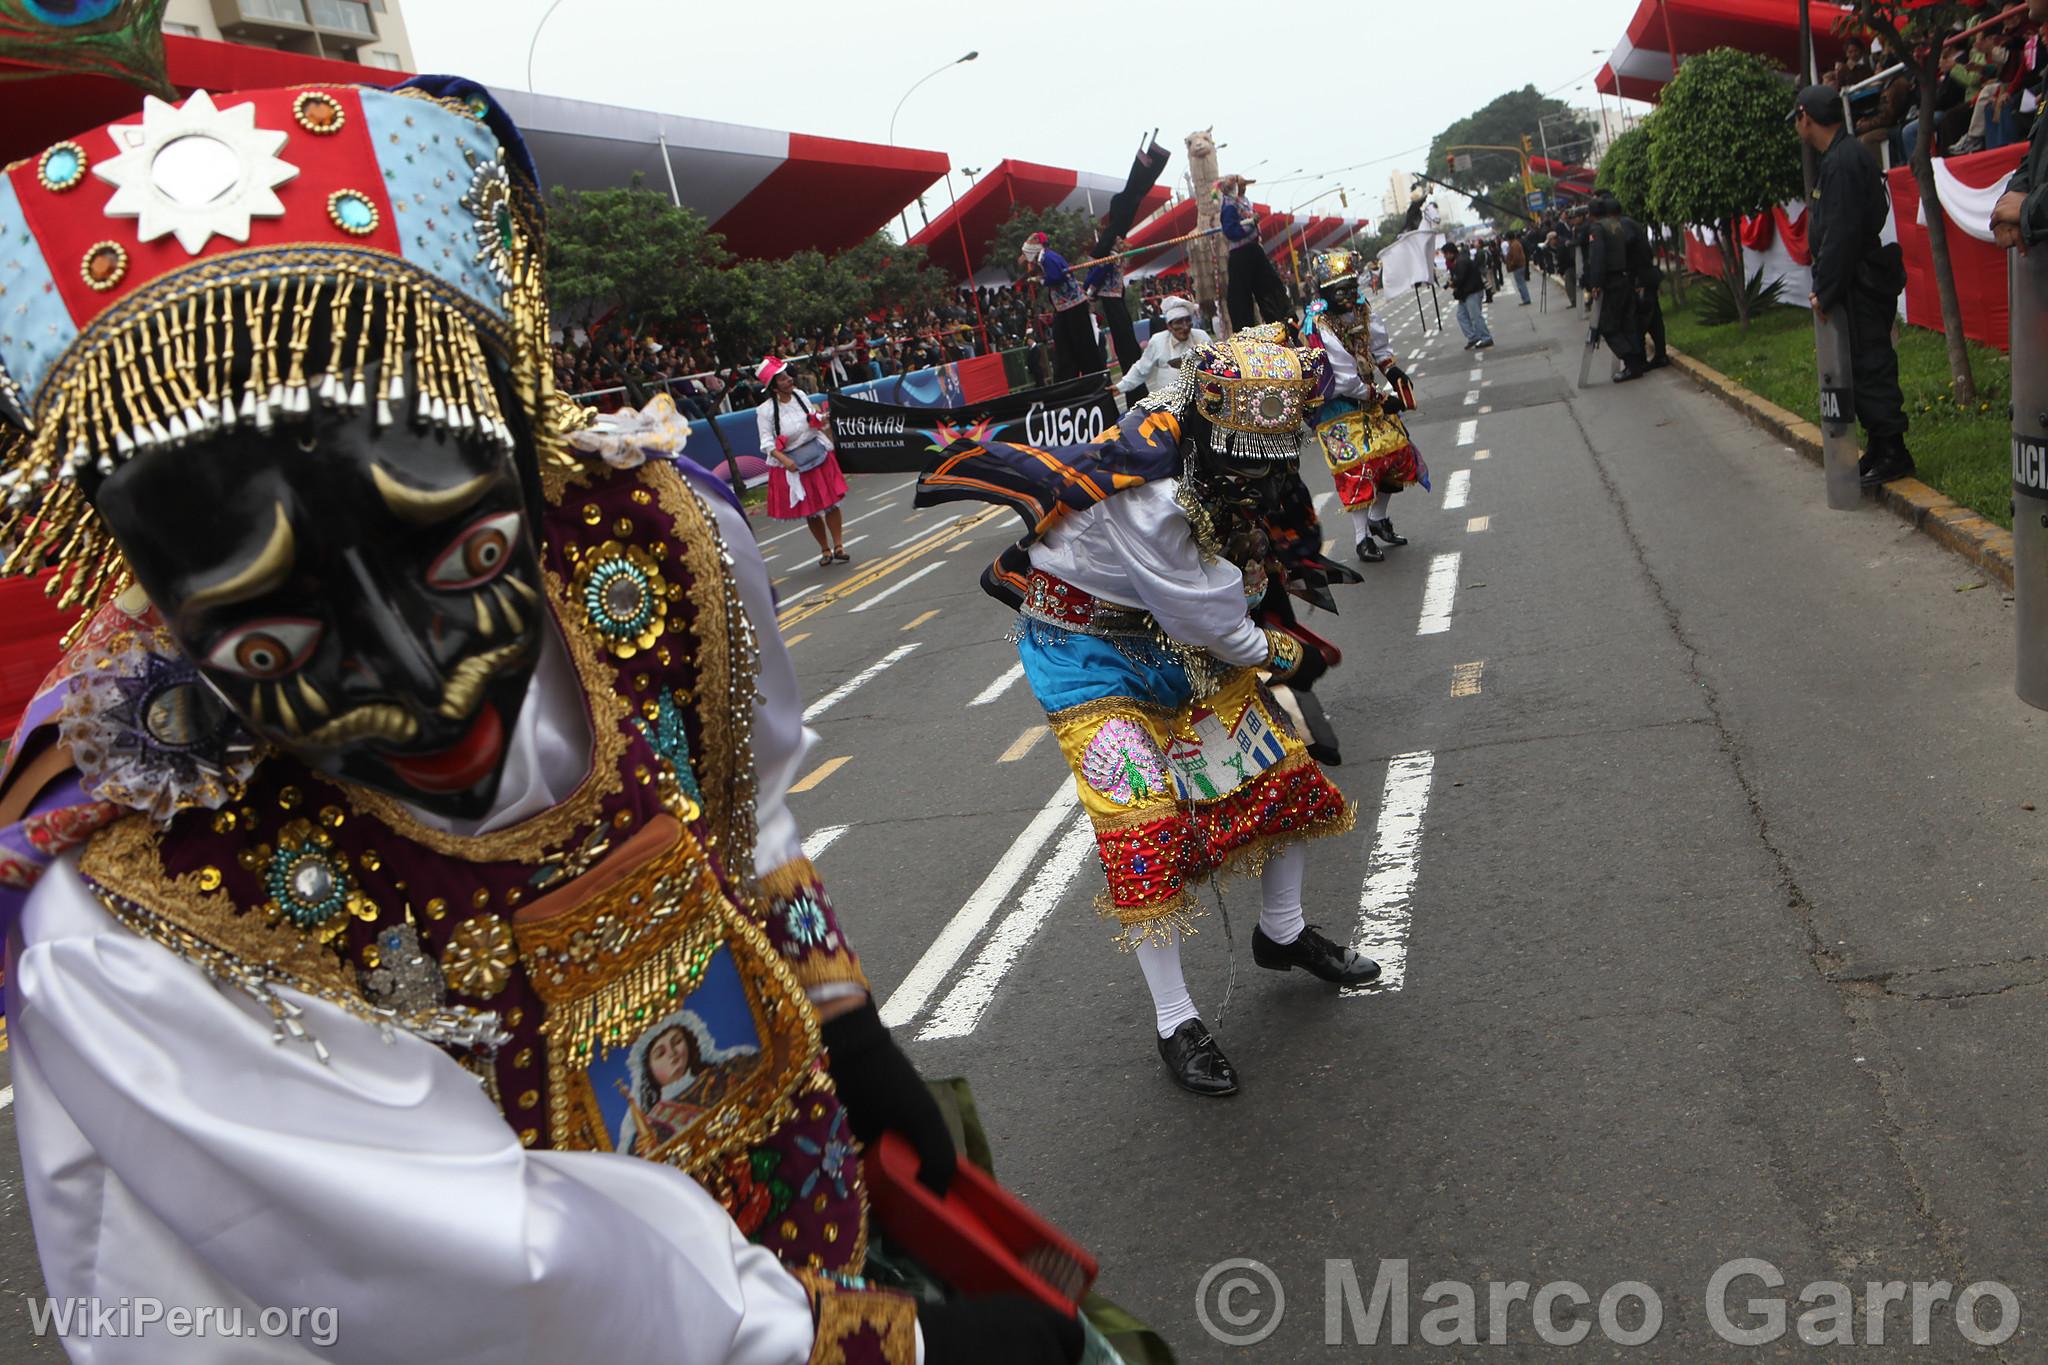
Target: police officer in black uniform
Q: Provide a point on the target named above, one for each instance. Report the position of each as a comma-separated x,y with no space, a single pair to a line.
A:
1857,274
1649,279
1611,280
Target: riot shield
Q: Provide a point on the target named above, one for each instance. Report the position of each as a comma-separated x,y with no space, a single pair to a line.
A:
2028,277
1838,451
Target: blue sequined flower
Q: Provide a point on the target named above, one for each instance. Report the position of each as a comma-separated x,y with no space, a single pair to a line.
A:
833,1158
805,920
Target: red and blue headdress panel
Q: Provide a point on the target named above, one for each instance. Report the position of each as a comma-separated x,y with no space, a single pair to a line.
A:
241,259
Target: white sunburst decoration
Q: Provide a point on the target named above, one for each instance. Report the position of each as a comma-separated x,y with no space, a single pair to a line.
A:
195,171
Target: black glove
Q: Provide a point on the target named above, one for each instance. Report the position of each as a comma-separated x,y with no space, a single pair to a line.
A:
1391,402
1312,666
882,1092
1005,1330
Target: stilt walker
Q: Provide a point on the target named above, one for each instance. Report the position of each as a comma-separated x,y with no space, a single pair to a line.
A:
1075,350
1254,283
1135,638
1360,431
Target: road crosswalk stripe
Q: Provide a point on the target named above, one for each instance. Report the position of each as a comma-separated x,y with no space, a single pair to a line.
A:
1384,909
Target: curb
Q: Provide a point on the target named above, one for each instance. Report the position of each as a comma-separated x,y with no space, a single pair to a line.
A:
1955,527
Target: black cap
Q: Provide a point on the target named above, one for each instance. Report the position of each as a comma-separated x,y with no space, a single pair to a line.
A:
1822,103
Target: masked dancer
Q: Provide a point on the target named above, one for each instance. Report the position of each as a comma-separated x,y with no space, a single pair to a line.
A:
1137,640
405,836
1362,437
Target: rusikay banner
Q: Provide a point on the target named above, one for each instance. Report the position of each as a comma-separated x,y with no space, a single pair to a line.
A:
885,438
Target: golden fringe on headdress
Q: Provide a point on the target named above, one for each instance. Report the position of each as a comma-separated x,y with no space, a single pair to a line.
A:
160,370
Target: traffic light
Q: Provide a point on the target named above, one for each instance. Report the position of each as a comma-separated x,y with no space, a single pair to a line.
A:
1525,144
1450,161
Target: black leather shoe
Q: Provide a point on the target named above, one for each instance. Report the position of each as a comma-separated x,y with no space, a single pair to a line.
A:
1194,1061
1315,955
1385,531
1369,552
1660,363
1896,465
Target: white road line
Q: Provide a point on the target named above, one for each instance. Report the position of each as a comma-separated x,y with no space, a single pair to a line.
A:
1323,502
6,1096
908,1000
822,838
964,1005
1383,906
856,540
857,681
1438,593
1472,376
790,597
894,488
865,515
914,535
1458,490
1468,431
999,686
800,526
1471,397
900,584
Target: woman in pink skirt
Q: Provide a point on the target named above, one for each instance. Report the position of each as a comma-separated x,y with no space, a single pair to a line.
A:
805,483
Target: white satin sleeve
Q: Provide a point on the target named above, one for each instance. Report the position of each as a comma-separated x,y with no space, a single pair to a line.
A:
172,1150
1195,603
1344,376
1376,337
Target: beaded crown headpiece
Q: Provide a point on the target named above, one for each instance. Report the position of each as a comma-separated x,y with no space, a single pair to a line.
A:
1334,267
233,260
1256,388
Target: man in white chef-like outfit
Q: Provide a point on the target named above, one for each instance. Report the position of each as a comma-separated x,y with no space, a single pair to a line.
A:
1160,362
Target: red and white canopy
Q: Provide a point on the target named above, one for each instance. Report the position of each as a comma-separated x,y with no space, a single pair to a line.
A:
1642,60
770,192
957,240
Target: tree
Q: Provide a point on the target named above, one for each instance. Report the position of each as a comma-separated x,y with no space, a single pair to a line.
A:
1722,151
1913,32
1503,122
632,250
1072,233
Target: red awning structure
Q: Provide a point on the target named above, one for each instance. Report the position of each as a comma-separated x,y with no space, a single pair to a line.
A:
771,193
1177,221
1642,60
51,108
957,240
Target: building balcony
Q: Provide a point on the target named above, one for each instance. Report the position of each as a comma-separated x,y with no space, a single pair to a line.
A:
332,28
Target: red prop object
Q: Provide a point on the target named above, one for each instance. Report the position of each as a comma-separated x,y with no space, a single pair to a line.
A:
980,1238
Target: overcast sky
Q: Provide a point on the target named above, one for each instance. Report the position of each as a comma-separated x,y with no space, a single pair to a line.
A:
1060,83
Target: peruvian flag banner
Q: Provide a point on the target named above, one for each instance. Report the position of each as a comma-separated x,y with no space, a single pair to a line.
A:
1967,186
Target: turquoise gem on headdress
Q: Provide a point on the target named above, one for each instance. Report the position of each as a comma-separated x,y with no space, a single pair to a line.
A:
353,211
63,166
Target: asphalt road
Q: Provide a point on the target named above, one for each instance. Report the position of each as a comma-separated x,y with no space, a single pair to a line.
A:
1697,819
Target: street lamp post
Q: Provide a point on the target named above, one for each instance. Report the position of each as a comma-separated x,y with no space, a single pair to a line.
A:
892,128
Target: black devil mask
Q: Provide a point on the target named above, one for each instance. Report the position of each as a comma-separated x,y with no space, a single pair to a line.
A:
368,600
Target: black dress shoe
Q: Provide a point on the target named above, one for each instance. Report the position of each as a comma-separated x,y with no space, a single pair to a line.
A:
1385,531
1369,552
1315,955
1661,362
1896,465
1194,1061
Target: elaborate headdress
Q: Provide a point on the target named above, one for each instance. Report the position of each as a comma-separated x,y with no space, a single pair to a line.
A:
234,260
1334,267
1255,389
